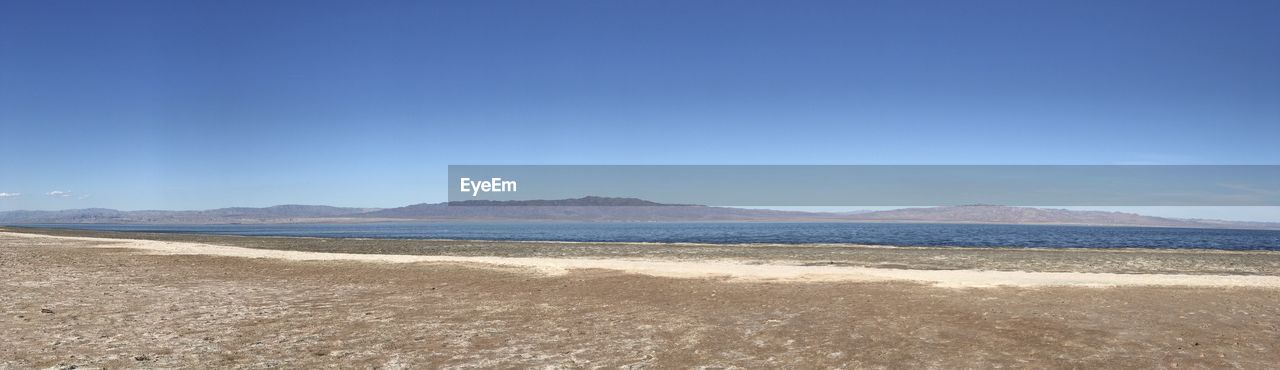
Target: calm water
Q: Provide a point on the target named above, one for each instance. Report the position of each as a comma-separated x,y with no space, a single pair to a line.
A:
899,234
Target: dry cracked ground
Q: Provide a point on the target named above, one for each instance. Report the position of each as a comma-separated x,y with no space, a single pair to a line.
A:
67,306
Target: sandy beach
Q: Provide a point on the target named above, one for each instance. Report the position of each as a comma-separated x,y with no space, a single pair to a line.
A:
90,299
727,269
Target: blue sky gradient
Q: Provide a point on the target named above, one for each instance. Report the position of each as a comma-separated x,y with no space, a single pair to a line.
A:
191,105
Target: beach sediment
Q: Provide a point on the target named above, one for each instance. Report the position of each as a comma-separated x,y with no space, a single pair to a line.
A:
91,302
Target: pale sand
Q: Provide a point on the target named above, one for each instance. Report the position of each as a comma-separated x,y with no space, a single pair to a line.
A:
722,269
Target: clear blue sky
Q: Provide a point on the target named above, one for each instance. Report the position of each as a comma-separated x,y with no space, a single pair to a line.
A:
204,104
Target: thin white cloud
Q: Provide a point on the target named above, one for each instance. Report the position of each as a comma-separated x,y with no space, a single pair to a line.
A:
67,194
9,195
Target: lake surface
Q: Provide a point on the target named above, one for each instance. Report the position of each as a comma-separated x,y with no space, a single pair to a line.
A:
896,234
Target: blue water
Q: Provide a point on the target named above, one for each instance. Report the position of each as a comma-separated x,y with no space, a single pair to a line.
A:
897,234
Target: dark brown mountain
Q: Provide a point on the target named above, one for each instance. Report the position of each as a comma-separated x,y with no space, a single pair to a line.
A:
588,209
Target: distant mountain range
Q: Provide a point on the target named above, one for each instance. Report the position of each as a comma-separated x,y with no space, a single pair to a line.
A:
275,214
607,209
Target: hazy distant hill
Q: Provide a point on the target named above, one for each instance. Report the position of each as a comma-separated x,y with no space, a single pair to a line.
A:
275,214
629,209
1026,215
607,209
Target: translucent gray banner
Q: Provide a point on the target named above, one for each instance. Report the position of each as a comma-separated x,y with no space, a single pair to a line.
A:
865,185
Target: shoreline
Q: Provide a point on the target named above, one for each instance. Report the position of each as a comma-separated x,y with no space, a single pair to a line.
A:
1121,261
729,269
363,221
116,234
